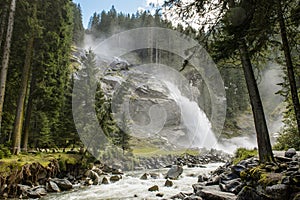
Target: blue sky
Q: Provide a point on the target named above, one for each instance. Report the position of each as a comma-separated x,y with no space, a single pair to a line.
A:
126,6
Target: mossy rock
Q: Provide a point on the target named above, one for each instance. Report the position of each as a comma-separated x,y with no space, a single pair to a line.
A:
267,179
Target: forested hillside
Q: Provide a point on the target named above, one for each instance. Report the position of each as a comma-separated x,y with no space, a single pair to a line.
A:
40,38
37,94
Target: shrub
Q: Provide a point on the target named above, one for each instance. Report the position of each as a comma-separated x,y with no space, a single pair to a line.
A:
243,153
4,152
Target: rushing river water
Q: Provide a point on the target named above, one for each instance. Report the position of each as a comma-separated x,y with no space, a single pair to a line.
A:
131,185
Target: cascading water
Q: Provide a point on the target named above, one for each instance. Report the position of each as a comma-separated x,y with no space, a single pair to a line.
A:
195,121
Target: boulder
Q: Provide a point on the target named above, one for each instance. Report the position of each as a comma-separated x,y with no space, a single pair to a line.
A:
237,169
98,171
233,186
159,195
290,153
145,176
168,183
63,184
179,196
278,191
213,181
202,178
33,194
91,174
174,172
23,188
117,172
36,192
52,187
105,180
40,190
212,193
88,181
248,193
153,188
115,178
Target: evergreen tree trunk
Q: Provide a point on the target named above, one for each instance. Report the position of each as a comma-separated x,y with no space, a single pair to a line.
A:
289,64
3,23
5,58
263,139
17,131
28,113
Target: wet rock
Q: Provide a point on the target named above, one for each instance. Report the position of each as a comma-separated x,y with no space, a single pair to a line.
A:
153,188
52,187
168,183
98,171
174,172
159,195
88,181
23,188
213,181
202,178
179,196
96,181
40,190
105,181
248,193
91,174
145,176
63,184
117,172
115,178
233,186
290,153
155,175
193,197
278,191
36,192
213,193
237,169
33,194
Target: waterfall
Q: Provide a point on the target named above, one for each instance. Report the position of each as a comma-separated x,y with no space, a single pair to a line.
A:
194,120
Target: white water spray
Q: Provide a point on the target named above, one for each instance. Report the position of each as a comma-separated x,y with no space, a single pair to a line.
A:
195,121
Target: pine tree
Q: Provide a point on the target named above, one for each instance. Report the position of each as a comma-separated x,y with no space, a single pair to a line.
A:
5,58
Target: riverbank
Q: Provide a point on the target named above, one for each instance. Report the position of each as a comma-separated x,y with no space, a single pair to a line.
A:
250,180
185,176
36,174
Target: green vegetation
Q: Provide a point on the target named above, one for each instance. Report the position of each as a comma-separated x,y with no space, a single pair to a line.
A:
243,153
7,164
42,65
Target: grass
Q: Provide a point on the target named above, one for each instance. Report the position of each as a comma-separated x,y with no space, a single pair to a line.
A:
151,147
6,164
150,152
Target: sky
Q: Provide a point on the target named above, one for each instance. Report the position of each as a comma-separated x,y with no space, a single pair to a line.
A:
88,7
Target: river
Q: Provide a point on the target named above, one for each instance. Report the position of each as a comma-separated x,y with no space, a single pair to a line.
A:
132,187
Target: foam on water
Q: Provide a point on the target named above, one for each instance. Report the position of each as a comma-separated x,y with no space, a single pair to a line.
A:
131,185
194,120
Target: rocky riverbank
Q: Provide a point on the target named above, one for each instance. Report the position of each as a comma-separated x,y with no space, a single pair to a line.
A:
250,180
35,180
